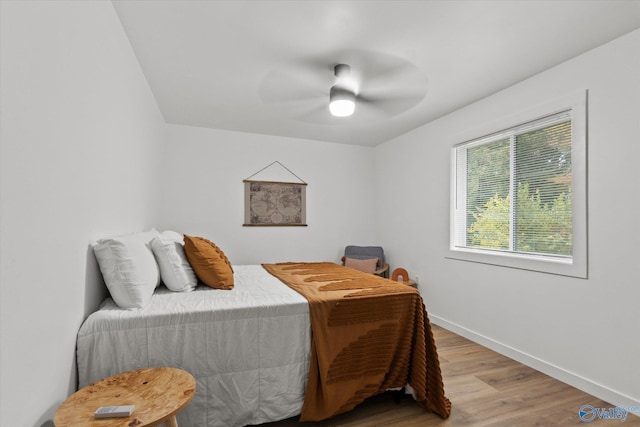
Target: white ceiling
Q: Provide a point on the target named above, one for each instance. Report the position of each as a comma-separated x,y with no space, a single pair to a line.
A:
266,66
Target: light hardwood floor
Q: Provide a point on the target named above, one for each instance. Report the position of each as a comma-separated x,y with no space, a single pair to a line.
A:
486,389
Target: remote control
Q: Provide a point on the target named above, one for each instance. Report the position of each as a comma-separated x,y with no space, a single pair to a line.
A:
114,411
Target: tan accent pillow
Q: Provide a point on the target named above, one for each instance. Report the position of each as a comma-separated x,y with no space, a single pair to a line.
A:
209,262
366,265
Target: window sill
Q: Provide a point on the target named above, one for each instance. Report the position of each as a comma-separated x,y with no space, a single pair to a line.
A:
561,266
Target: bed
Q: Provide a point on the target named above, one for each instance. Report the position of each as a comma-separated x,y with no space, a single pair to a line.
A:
252,350
248,348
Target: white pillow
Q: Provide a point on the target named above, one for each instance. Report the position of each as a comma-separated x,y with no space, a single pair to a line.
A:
129,268
175,270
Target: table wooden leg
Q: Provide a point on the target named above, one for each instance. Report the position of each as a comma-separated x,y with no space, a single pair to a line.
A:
169,422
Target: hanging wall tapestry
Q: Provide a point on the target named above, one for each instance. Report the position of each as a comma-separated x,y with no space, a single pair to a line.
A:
274,202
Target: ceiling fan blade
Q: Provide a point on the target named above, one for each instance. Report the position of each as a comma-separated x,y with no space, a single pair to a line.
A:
395,71
311,110
392,107
393,100
314,113
291,85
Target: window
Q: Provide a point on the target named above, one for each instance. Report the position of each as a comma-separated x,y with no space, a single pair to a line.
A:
514,194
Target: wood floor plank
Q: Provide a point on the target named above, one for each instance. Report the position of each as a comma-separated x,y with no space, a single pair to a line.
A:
462,388
486,389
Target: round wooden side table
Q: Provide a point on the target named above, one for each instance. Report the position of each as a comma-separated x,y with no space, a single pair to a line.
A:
157,393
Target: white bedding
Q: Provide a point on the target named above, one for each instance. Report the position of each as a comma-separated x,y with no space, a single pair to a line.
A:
248,348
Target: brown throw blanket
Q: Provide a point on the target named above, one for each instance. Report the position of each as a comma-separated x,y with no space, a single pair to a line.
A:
369,334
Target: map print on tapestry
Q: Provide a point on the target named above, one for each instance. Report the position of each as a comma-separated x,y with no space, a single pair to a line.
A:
274,203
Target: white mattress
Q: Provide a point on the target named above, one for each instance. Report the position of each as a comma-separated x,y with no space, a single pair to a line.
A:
248,348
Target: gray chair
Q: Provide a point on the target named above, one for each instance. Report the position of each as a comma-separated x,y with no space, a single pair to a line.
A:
367,253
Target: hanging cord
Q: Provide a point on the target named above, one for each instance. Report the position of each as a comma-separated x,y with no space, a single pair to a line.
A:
271,164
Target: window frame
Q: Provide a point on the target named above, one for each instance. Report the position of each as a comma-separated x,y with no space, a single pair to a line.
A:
577,264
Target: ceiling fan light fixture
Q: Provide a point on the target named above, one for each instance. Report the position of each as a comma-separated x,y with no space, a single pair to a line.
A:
342,102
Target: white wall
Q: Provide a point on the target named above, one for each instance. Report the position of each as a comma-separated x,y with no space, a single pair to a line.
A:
583,331
85,154
78,136
80,159
202,193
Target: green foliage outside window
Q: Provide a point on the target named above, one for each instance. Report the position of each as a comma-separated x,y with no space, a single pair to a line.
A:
544,228
542,179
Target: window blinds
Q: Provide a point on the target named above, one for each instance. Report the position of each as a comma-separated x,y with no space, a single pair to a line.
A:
513,189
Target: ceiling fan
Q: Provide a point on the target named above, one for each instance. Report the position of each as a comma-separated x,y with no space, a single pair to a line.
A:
342,97
360,84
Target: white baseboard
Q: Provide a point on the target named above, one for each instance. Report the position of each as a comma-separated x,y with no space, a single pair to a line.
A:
577,381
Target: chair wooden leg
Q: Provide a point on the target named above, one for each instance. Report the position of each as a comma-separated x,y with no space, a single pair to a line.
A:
171,422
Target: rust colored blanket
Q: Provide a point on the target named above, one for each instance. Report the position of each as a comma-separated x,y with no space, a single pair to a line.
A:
369,334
